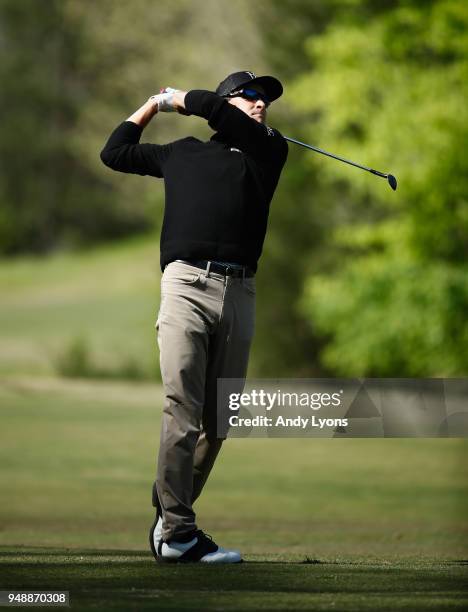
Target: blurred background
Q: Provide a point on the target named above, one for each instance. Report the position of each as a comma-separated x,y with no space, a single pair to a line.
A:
355,279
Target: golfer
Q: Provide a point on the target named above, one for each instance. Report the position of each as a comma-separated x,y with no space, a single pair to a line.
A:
218,195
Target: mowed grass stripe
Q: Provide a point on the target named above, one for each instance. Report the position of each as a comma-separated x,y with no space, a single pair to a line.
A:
78,460
323,524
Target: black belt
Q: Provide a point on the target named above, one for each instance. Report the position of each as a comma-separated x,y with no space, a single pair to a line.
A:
224,269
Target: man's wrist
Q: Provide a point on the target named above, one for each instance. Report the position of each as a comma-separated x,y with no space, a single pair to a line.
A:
152,104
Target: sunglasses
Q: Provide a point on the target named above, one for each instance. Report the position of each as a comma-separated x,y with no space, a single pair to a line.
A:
251,94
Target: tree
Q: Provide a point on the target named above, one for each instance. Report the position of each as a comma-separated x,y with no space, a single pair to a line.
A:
390,90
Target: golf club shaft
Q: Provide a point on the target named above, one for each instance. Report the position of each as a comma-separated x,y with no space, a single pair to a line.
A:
346,161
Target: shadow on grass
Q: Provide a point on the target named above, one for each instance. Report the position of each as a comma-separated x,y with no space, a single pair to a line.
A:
123,580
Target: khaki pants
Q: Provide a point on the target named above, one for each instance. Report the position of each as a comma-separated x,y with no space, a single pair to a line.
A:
205,328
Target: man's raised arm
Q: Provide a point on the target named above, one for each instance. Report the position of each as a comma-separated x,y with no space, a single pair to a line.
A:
123,152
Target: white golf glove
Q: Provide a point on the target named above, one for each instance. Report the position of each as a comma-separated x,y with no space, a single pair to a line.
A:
165,100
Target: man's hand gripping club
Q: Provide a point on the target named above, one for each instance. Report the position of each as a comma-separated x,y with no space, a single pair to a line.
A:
165,100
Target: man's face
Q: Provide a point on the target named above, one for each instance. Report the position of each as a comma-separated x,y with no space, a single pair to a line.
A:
254,108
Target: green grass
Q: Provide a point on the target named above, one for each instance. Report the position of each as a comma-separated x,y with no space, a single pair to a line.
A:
341,524
324,524
120,580
107,297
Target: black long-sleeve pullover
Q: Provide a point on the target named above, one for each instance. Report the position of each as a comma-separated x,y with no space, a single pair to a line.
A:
218,193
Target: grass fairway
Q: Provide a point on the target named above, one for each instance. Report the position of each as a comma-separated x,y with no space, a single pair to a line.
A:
122,580
106,297
324,524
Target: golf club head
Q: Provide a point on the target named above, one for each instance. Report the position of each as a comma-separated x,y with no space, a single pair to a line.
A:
392,181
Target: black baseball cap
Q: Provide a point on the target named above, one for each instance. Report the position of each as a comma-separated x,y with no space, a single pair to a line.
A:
237,80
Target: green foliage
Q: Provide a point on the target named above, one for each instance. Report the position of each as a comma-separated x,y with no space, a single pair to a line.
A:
75,360
392,318
49,193
393,89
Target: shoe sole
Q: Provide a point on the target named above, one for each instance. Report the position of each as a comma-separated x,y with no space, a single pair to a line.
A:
165,560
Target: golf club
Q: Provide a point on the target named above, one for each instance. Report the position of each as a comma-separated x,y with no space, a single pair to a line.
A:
390,178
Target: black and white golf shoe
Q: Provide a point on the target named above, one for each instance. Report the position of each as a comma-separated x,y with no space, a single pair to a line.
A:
199,549
155,535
